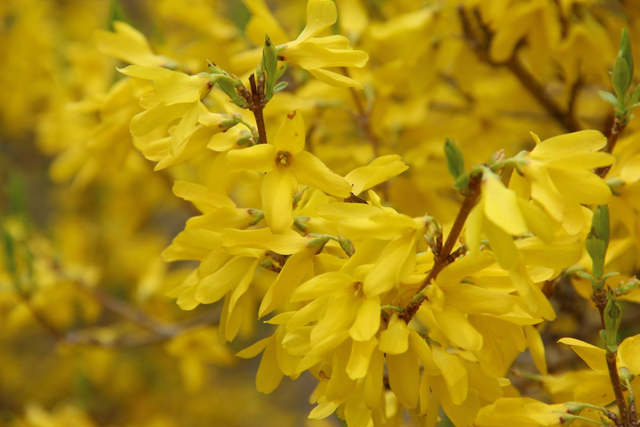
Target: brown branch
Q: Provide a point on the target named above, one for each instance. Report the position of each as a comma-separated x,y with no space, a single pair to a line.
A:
443,258
256,105
480,45
363,117
600,300
612,138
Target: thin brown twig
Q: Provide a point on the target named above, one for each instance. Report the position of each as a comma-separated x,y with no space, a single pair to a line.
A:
442,259
600,300
256,105
612,138
363,117
480,45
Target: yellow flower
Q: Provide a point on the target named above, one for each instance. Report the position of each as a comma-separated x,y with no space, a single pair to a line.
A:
520,411
559,175
286,165
316,54
502,215
597,389
176,95
129,45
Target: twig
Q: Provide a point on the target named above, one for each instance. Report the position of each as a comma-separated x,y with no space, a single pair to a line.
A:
443,257
256,105
363,117
530,83
612,138
600,300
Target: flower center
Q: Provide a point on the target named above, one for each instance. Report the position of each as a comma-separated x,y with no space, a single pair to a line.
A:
283,159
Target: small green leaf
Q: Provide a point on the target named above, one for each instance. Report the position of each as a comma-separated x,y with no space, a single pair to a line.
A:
455,158
621,77
625,49
280,86
609,97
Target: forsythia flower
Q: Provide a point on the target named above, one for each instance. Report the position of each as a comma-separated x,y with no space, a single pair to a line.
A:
560,177
316,54
286,165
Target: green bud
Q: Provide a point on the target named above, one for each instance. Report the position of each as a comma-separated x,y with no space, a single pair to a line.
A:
455,158
455,163
598,239
609,97
621,79
612,317
269,66
625,49
318,242
346,245
625,375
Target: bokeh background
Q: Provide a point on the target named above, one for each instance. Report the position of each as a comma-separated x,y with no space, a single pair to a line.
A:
88,336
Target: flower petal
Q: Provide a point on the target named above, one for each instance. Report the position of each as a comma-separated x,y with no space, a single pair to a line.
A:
259,158
290,135
278,187
309,170
321,14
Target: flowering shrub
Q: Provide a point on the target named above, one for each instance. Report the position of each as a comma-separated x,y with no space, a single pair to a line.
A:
323,231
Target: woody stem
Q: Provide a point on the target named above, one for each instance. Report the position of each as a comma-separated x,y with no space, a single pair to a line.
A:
257,106
612,138
442,258
600,299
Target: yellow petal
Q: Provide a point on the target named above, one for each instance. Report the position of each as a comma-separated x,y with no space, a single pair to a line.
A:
594,357
327,284
127,44
269,376
278,187
286,243
378,171
158,115
335,79
373,382
458,329
395,260
586,140
629,354
321,14
454,374
502,245
290,135
212,288
367,320
580,186
177,88
259,158
536,347
145,72
395,339
297,267
309,170
359,359
501,206
404,378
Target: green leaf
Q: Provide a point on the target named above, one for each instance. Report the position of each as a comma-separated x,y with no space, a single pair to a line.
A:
598,240
281,71
609,97
269,66
621,78
280,86
455,158
625,49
